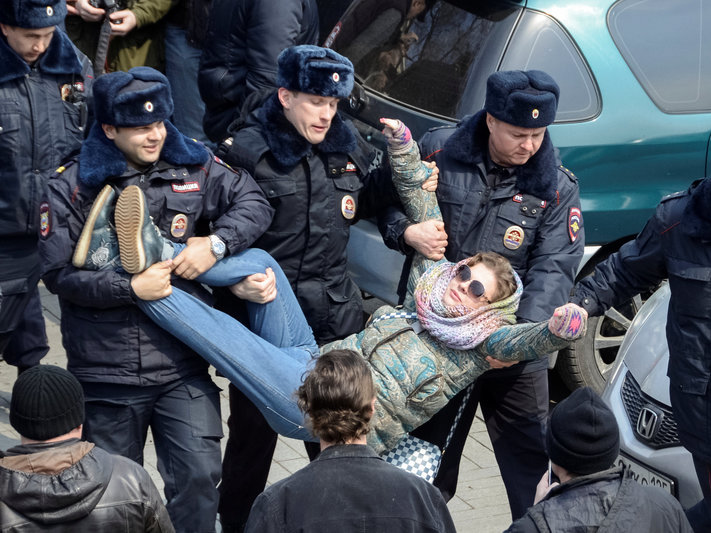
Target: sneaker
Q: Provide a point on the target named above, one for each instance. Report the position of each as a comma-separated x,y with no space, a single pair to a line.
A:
98,247
140,241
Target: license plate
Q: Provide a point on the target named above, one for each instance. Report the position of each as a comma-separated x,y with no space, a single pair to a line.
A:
647,476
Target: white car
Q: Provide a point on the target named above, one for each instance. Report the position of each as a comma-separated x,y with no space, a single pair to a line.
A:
638,394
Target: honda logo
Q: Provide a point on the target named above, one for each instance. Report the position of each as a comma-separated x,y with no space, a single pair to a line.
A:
647,423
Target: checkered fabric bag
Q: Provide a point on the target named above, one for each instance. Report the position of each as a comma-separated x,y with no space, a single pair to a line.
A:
420,457
417,456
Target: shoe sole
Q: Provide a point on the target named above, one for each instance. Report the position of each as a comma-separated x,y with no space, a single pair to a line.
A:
84,243
129,218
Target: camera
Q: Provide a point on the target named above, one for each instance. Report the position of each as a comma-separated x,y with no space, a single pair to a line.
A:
110,6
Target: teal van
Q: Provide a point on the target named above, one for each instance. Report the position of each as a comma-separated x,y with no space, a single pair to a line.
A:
633,123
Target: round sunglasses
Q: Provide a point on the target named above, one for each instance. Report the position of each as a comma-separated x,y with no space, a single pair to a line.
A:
476,288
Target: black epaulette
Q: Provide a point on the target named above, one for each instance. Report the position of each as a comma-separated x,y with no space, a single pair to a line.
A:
222,163
677,194
443,127
572,177
64,167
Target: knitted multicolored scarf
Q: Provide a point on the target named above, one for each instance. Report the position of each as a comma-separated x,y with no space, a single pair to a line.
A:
459,327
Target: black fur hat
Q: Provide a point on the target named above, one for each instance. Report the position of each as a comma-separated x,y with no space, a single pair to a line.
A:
315,70
32,13
528,99
138,97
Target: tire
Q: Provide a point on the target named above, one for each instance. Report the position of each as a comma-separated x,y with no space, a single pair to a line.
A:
589,361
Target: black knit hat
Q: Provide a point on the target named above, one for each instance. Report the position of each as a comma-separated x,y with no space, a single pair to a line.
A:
32,13
528,99
47,401
583,436
315,70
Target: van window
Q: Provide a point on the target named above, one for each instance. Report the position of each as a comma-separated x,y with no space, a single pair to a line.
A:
424,53
666,45
540,43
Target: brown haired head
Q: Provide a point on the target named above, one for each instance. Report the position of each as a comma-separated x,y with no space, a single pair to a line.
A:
500,266
337,397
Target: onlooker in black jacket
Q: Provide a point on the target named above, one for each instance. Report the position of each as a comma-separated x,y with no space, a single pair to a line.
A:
241,49
316,172
583,442
54,481
348,488
44,86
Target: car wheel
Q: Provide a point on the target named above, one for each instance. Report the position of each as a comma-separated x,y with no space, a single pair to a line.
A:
589,361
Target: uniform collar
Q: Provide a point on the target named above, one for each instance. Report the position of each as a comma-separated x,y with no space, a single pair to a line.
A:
60,58
288,146
470,144
100,159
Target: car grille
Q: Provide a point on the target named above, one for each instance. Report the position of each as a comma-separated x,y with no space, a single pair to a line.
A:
665,433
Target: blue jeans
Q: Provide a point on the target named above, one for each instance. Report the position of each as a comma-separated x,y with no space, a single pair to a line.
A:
267,363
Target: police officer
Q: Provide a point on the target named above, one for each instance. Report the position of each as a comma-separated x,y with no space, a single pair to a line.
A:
134,374
502,188
43,88
315,170
675,244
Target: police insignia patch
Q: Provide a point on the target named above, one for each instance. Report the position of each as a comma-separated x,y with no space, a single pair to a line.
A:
575,220
513,238
179,225
45,219
348,208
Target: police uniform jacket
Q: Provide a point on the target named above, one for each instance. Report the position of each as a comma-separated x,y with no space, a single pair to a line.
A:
42,120
317,193
674,244
531,215
240,53
189,193
610,501
81,487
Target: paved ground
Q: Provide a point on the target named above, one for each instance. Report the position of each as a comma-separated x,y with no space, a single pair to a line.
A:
479,506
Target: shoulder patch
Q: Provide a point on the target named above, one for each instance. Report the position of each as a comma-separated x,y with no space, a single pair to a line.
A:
45,219
575,220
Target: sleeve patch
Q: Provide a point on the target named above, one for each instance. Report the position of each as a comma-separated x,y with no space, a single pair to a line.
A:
575,220
45,219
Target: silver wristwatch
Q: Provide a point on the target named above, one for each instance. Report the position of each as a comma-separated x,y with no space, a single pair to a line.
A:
217,247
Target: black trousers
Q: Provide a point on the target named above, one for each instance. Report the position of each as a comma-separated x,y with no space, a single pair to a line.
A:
23,338
515,406
246,462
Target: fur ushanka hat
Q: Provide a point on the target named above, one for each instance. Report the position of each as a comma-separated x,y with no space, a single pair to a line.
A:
31,14
138,97
528,99
315,70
